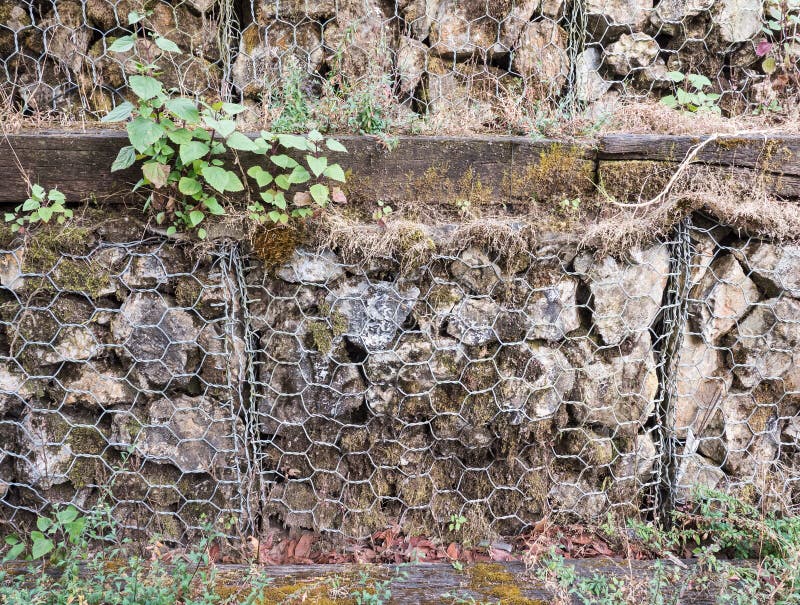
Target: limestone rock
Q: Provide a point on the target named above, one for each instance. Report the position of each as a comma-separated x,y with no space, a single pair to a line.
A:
420,15
572,494
476,271
374,311
411,57
158,339
534,381
11,269
361,41
465,89
638,464
97,386
608,19
196,434
464,28
541,57
268,53
631,52
590,85
66,36
627,294
738,20
669,16
14,389
295,10
721,298
193,33
742,436
694,470
472,321
616,390
775,266
766,344
583,448
310,267
14,21
552,310
701,381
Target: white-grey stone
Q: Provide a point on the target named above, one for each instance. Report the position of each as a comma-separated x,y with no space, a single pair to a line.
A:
627,294
374,311
631,52
552,311
590,85
777,266
472,321
541,56
721,298
311,267
738,20
695,471
475,271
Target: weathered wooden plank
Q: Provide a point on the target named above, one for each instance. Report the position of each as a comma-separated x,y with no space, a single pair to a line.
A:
441,583
778,154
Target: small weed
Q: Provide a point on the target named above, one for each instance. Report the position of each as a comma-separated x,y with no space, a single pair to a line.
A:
40,207
689,93
456,522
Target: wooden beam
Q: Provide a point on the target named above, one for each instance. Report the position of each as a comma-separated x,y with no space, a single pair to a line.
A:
778,154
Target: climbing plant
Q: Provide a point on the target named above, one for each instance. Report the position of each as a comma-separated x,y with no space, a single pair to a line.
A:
183,146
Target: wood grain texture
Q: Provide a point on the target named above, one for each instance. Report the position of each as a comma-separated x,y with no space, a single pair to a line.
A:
423,169
779,154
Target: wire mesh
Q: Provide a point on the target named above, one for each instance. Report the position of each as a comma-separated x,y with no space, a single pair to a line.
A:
343,393
121,384
378,65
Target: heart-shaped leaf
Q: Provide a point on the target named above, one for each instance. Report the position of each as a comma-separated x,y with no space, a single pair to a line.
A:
194,150
317,165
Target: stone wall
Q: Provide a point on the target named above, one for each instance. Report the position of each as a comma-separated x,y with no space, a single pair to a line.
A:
338,392
471,64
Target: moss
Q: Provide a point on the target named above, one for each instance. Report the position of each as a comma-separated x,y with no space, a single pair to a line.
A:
321,336
494,580
561,171
275,245
82,276
85,471
187,291
630,180
86,440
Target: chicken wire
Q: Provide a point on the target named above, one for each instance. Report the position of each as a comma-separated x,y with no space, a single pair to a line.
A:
121,384
378,65
342,393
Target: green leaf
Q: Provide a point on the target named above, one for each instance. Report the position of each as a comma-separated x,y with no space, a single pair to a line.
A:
189,152
185,109
68,515
156,173
234,183
299,175
119,113
317,165
30,204
143,133
284,161
196,217
769,65
293,141
232,108
167,45
125,159
216,177
223,127
675,76
669,101
14,552
134,17
43,523
335,145
145,87
171,230
283,181
335,172
315,136
261,176
37,192
320,193
241,142
54,195
189,186
123,44
202,233
214,206
45,213
180,136
41,548
698,81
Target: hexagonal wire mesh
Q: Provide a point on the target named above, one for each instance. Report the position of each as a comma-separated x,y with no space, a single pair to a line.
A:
496,387
122,369
343,394
394,65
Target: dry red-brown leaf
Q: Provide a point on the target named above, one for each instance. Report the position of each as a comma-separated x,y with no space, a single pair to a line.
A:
338,196
452,550
303,548
498,554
